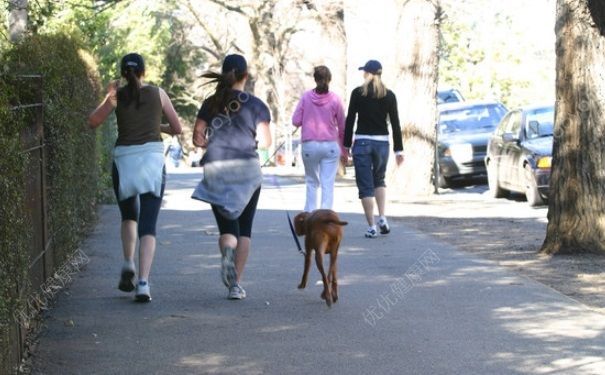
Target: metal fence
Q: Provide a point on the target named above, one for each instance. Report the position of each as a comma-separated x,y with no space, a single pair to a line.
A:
35,210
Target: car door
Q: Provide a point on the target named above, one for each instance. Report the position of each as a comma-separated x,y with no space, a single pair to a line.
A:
510,149
517,155
496,145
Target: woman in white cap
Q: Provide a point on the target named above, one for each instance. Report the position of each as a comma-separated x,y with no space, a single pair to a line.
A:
372,104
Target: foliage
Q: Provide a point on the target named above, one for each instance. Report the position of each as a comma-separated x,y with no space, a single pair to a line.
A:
71,88
13,234
499,51
113,29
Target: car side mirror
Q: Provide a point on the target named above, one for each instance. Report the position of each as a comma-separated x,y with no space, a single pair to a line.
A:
534,126
509,137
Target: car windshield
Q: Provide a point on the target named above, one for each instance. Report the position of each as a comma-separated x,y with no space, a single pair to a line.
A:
484,117
448,96
539,122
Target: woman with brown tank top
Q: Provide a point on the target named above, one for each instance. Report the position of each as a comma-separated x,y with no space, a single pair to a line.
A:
138,169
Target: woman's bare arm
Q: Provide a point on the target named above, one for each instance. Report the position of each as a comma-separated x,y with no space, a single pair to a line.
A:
263,134
100,114
199,133
174,124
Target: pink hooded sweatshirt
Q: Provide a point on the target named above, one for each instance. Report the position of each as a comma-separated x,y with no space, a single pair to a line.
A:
321,116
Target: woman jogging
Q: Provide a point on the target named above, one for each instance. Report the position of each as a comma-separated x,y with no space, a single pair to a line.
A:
321,115
371,104
227,126
138,168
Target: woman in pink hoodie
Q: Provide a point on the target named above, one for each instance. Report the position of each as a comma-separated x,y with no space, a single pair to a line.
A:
321,114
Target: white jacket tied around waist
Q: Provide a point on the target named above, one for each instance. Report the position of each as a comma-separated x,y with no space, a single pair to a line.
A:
229,184
140,168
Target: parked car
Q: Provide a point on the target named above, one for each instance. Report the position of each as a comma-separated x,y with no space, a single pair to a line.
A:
520,153
464,130
449,96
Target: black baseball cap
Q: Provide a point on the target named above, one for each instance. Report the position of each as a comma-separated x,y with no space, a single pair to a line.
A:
372,66
133,60
235,62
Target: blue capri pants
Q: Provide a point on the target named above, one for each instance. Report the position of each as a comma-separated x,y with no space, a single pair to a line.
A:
370,160
144,208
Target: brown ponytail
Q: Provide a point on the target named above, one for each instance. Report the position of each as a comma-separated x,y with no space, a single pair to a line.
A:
132,92
132,69
223,93
322,76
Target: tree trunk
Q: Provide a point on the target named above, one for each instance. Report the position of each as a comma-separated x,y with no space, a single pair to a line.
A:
404,36
576,220
416,88
17,19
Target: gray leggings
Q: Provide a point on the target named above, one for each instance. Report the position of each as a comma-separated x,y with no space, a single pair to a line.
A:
143,208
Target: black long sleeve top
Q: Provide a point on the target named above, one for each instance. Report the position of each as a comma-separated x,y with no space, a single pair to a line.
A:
372,113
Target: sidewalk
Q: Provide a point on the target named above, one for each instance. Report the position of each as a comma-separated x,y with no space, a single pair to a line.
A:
408,305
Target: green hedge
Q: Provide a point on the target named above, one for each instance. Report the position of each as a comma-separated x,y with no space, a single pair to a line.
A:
71,90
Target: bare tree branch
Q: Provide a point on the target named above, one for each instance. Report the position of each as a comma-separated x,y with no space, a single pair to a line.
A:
213,38
229,7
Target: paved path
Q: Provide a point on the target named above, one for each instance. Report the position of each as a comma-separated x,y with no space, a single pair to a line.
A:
408,305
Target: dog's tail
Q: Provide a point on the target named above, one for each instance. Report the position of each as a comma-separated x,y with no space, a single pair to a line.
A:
337,222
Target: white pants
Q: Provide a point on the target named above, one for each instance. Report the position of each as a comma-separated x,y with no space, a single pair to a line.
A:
321,164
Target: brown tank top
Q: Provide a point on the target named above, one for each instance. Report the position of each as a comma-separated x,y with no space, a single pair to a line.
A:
140,125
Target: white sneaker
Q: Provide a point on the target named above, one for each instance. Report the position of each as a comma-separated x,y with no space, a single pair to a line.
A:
237,292
228,273
371,233
383,224
142,294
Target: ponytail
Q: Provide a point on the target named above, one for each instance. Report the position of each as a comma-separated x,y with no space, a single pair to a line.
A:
373,87
223,93
322,76
132,91
132,68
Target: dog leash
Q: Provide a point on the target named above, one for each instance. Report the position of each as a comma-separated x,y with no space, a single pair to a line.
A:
277,149
296,241
300,250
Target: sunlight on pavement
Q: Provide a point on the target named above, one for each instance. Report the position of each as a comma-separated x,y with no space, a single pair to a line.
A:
551,322
580,365
219,364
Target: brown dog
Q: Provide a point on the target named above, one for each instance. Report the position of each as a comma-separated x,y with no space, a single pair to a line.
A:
323,231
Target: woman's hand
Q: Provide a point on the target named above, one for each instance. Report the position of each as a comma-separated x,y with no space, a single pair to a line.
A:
104,109
399,159
344,157
199,133
112,92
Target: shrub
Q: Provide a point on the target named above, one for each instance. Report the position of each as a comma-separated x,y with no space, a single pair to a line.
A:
70,91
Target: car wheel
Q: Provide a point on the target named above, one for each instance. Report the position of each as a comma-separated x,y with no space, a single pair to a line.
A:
443,182
495,191
531,189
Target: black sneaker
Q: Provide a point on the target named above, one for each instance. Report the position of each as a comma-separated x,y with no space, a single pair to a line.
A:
127,280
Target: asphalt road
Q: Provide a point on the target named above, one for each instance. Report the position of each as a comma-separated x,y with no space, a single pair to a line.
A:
408,305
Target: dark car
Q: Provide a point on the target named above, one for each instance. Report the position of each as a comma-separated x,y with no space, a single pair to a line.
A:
449,96
520,154
464,130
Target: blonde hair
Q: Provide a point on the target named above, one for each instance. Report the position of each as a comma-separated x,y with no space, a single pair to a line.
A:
373,86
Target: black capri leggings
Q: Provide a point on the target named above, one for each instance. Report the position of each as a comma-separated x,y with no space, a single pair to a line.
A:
242,226
147,214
